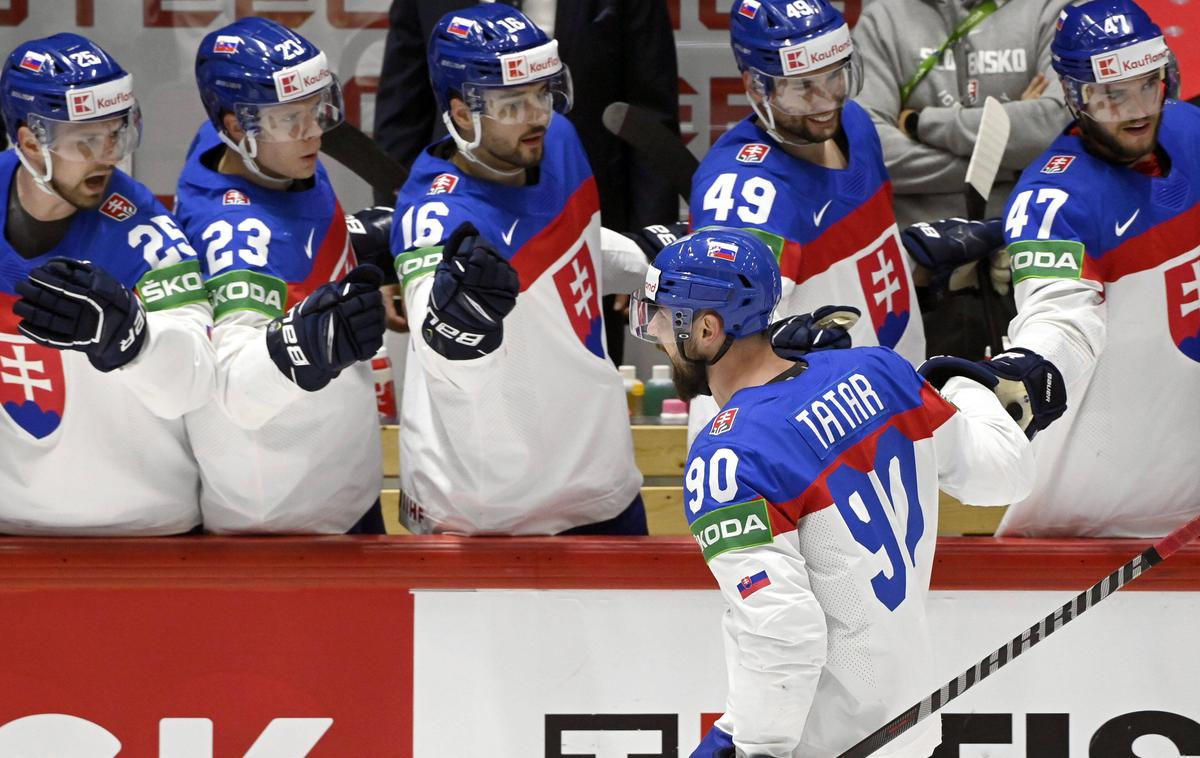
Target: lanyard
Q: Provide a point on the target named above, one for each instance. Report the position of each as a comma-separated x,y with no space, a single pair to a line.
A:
982,11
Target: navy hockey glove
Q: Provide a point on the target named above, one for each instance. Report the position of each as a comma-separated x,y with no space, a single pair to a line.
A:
74,305
652,239
826,328
474,288
943,246
371,237
337,325
1030,387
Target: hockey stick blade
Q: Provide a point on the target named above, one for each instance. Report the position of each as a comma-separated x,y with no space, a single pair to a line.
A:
347,145
1138,565
990,141
639,128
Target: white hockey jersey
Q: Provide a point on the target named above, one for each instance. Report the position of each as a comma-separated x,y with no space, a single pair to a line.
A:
89,453
273,457
1106,265
533,438
814,499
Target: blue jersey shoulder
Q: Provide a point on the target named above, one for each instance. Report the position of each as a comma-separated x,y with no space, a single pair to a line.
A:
774,440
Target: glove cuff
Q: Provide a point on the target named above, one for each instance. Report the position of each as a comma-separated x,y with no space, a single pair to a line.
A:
939,369
456,340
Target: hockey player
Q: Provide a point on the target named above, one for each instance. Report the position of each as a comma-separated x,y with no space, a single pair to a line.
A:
295,322
513,421
806,171
813,495
1105,246
103,318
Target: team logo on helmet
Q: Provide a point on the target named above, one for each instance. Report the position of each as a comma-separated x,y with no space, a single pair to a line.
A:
226,44
1058,164
530,64
118,207
234,197
725,251
755,152
1183,306
749,8
32,387
33,62
460,27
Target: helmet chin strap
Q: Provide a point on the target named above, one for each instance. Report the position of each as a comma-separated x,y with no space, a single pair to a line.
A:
42,180
467,149
247,149
701,363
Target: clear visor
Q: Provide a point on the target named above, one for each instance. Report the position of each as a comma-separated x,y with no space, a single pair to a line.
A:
660,324
110,140
810,94
524,104
1126,100
294,121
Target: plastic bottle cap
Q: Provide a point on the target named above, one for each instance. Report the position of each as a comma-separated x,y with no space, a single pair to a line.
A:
638,389
674,405
660,371
627,372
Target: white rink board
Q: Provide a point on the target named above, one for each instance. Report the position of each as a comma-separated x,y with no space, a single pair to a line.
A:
489,665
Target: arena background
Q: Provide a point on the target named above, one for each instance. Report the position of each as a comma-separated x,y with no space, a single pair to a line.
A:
156,41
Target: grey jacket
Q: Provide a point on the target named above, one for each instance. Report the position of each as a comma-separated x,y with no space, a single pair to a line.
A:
999,57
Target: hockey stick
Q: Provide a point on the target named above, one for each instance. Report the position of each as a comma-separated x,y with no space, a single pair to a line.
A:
347,145
639,128
1140,564
990,142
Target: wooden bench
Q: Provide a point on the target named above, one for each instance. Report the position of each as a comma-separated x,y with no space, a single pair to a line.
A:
661,452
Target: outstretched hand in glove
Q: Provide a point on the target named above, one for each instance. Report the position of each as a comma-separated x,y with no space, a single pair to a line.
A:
474,288
826,328
336,326
76,305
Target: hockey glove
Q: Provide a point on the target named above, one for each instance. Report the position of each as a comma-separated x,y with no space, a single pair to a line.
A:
826,328
943,246
474,288
652,239
337,325
370,236
716,744
74,305
1030,387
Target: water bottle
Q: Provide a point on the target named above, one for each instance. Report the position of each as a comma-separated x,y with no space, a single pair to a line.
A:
674,411
385,387
635,390
659,388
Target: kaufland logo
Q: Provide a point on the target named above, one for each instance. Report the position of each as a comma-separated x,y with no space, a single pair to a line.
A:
88,103
83,103
829,49
531,64
301,79
515,69
1130,61
795,60
289,83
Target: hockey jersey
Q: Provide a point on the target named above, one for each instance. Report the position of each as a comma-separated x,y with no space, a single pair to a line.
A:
814,499
1106,266
833,230
272,456
89,453
533,438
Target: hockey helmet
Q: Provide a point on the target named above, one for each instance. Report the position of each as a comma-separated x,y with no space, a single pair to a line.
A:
781,43
728,271
1113,60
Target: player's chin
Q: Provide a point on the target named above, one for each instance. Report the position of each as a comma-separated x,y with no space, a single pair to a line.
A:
822,126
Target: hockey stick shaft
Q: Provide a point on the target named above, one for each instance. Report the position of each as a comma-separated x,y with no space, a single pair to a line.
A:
990,143
1140,564
662,148
349,146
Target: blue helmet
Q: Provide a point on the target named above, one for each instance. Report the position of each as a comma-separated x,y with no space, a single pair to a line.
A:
64,78
780,43
728,271
255,63
1105,41
493,45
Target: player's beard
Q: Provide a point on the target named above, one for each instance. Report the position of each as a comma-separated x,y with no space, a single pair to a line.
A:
1107,146
690,377
80,195
802,130
518,156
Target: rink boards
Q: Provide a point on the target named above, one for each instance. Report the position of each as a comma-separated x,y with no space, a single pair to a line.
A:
197,647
